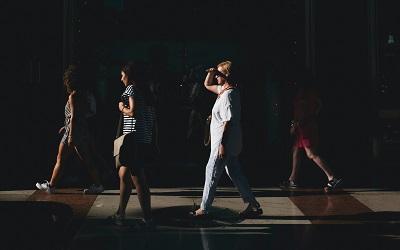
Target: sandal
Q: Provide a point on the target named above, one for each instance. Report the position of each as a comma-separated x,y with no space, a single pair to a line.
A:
199,214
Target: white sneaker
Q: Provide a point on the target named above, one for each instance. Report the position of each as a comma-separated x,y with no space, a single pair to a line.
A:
94,189
45,187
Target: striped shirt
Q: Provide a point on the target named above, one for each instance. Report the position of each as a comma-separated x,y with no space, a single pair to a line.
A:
143,120
81,129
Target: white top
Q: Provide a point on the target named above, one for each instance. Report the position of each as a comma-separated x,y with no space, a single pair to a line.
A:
227,108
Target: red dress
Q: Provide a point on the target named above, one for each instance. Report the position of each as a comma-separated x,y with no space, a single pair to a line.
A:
304,113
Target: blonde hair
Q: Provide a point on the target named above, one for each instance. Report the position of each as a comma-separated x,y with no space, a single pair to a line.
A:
226,67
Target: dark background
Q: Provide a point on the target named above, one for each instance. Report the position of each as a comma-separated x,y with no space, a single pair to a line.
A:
344,43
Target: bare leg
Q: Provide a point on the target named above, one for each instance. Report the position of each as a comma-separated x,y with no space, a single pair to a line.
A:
312,154
295,164
125,189
63,153
143,193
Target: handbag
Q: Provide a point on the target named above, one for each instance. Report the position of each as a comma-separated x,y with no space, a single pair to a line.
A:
118,142
117,146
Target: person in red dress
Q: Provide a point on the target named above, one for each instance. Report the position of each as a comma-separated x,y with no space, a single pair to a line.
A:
304,128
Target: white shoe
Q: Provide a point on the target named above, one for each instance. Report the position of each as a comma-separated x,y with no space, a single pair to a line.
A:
45,187
94,189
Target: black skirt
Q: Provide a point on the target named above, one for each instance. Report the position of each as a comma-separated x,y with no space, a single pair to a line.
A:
133,154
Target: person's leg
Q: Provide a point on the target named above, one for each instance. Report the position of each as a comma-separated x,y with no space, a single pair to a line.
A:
233,169
313,155
296,157
63,153
214,170
297,147
125,189
143,193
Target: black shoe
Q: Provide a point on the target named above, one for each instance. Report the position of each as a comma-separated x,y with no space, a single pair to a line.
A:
288,184
250,212
333,184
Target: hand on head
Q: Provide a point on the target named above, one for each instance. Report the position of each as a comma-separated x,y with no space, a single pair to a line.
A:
211,70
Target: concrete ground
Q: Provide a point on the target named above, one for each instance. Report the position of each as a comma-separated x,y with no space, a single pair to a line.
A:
292,219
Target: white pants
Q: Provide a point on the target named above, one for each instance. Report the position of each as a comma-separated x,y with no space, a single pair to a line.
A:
214,169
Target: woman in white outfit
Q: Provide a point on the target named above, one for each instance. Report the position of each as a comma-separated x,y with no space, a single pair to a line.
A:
226,142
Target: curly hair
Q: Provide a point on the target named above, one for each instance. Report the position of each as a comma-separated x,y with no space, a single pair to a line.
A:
73,78
130,71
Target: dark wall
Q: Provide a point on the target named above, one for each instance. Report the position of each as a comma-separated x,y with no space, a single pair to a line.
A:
266,41
32,91
343,73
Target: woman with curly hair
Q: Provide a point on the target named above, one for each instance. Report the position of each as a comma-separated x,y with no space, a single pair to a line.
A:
76,138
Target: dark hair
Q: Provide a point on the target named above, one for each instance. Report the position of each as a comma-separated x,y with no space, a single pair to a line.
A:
131,71
73,78
137,71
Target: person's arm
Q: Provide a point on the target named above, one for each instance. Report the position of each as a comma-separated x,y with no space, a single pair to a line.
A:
226,115
61,129
209,81
73,107
120,106
129,111
221,150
